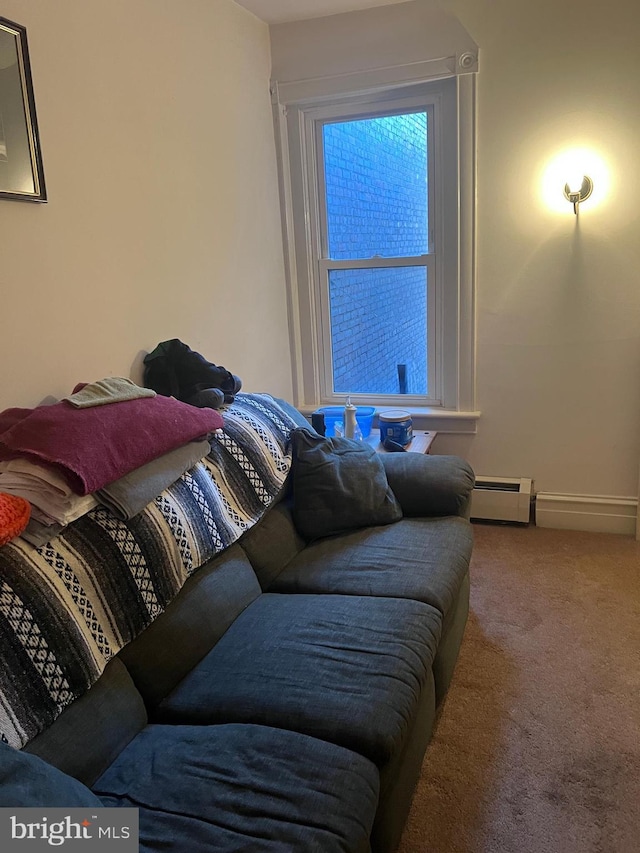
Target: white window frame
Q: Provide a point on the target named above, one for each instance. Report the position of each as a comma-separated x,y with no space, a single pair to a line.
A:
315,120
297,108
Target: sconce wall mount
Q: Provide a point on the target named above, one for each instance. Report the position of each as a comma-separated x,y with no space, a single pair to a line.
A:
575,196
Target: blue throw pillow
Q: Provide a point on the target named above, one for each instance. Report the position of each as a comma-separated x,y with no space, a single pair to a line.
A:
28,781
338,485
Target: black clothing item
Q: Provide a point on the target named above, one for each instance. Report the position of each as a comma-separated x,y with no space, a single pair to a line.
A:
174,370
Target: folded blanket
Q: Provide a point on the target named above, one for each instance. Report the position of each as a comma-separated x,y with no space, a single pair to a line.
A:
130,494
94,446
113,389
39,534
49,494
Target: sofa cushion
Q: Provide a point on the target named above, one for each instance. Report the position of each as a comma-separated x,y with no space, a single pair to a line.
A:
192,623
86,737
430,485
293,413
347,669
423,559
243,788
272,543
28,781
338,484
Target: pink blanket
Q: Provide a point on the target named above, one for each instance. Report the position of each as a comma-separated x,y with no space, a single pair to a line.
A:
93,447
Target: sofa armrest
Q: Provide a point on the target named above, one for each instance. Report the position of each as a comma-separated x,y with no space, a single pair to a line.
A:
430,485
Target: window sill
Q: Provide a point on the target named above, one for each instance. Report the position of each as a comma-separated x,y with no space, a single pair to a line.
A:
429,418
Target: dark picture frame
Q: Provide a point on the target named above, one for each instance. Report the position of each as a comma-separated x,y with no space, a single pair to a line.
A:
21,171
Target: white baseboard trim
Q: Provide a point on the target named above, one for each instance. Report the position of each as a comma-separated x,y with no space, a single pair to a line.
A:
593,513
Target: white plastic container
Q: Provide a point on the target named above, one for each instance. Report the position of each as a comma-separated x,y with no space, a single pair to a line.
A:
349,420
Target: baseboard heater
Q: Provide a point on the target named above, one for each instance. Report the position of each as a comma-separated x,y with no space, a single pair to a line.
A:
502,499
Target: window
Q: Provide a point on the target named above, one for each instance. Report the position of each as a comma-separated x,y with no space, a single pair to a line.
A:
374,209
379,192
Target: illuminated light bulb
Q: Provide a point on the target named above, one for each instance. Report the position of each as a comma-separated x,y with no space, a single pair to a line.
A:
574,181
580,172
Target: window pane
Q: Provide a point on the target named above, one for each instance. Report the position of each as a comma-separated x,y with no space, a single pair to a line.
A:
378,330
376,186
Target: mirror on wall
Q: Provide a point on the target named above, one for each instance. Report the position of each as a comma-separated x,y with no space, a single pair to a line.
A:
21,172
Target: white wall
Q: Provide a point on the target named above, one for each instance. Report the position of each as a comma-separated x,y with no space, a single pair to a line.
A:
558,310
372,38
163,217
558,297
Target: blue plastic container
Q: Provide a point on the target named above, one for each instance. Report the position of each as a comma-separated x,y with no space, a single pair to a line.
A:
335,414
396,425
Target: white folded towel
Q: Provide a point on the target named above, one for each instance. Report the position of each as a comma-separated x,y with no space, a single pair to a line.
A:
46,491
112,389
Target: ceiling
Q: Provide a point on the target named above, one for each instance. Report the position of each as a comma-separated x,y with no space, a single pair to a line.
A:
279,11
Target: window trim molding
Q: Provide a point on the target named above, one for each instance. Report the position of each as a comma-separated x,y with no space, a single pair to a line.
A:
291,101
467,240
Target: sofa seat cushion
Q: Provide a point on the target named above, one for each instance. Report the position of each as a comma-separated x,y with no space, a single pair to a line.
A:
424,559
242,788
346,669
26,781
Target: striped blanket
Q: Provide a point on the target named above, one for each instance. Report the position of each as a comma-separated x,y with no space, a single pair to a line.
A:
67,607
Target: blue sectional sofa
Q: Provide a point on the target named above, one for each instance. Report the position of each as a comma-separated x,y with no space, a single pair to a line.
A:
284,699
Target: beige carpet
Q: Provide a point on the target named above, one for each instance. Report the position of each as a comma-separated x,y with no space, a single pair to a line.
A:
537,746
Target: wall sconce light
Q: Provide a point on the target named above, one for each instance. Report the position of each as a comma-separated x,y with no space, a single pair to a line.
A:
578,190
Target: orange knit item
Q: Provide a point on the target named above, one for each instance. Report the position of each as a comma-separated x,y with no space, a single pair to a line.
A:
14,516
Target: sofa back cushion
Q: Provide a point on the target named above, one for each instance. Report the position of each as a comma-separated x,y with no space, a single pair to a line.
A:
293,413
91,732
191,625
273,542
